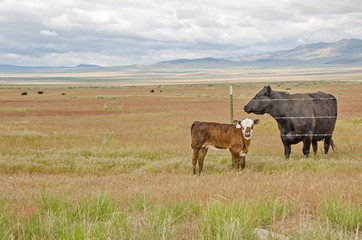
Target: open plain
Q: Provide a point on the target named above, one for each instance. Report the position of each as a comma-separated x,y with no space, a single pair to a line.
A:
93,162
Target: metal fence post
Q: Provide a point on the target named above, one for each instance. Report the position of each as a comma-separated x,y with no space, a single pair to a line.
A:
231,114
231,104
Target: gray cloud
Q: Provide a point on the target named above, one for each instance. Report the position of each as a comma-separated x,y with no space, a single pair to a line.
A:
110,32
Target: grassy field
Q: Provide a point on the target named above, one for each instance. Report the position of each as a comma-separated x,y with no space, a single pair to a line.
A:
115,163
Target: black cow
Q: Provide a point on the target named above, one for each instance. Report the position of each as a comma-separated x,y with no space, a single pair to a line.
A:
308,117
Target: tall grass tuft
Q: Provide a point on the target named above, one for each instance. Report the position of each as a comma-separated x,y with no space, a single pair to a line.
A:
239,220
138,217
97,217
58,218
343,215
5,224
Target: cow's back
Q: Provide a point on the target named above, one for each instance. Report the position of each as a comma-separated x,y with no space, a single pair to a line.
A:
325,107
326,104
307,113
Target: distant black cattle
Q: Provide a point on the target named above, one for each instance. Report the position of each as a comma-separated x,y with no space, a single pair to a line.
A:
308,117
24,93
152,91
40,92
64,94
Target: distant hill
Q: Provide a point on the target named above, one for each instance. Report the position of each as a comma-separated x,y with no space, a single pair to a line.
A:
341,52
347,52
198,62
5,68
87,65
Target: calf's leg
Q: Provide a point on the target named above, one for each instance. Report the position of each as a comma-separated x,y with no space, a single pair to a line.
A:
242,162
194,159
202,154
236,158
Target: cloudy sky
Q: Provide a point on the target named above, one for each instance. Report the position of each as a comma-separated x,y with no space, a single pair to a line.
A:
123,32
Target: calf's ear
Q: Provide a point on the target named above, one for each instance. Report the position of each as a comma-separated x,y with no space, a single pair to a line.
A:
237,123
256,121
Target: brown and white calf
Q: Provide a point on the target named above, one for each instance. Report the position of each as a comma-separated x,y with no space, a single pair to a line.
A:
236,137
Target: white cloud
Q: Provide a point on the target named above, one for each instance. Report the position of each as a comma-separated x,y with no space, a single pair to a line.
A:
301,41
48,33
87,17
132,31
13,55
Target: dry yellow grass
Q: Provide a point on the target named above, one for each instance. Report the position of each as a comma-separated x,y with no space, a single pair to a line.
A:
125,141
306,188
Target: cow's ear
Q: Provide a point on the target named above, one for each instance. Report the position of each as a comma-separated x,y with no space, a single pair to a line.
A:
268,90
256,121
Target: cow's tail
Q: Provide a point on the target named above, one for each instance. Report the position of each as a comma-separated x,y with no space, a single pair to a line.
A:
332,145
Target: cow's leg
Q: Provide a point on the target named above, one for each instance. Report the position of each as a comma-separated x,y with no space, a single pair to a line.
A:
202,154
315,146
327,143
306,145
287,149
194,159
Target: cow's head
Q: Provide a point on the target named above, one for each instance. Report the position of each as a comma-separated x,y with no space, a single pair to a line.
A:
246,126
261,103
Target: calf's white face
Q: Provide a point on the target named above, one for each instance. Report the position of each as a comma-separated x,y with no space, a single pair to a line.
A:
246,126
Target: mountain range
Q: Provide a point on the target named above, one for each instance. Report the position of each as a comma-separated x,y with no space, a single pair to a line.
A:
346,52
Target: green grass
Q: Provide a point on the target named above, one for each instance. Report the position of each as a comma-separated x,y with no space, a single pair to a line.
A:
18,110
343,215
118,108
138,217
127,160
100,217
105,97
238,220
